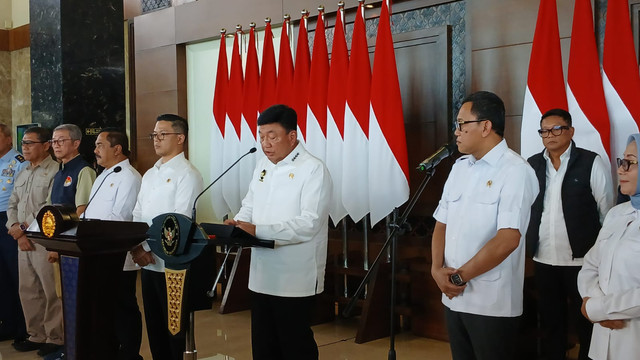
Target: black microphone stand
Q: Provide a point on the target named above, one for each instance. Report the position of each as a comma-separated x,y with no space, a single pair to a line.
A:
398,227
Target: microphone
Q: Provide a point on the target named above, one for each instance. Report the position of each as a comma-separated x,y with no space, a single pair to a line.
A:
433,160
193,212
117,169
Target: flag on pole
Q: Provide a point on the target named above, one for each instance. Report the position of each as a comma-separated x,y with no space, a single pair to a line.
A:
545,83
284,88
232,151
336,102
620,76
220,207
301,77
388,161
355,167
250,104
316,136
268,77
585,94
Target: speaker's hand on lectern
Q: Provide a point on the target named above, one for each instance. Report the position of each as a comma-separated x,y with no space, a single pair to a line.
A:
247,226
52,257
142,257
230,222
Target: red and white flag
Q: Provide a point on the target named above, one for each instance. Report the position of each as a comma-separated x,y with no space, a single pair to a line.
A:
355,167
316,136
545,83
284,89
301,78
232,150
268,77
388,161
220,207
250,104
620,76
585,94
336,101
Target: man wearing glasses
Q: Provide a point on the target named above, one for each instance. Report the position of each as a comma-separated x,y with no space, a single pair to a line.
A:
575,195
478,240
41,306
171,185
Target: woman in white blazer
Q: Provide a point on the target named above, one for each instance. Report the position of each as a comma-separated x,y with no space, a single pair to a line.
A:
609,281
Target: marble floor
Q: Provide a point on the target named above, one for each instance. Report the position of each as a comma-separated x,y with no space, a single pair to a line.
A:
226,337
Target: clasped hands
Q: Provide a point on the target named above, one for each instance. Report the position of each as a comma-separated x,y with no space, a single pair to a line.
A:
442,276
610,324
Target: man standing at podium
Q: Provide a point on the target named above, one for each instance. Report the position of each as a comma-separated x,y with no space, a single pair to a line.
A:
287,201
171,185
41,305
114,195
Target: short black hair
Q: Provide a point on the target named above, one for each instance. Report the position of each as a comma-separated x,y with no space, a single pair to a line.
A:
115,137
178,123
281,114
486,105
43,134
557,112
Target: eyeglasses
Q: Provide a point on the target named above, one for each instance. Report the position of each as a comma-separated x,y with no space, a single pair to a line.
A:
160,136
58,142
29,142
625,163
556,131
460,123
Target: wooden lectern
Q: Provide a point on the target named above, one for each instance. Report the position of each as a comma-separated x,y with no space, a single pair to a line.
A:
92,254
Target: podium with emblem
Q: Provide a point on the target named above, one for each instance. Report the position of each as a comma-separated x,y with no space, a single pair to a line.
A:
187,249
92,254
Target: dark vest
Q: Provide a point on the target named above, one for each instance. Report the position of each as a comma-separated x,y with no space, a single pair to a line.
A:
65,182
578,205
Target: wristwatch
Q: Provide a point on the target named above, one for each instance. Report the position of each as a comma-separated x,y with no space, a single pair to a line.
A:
456,279
23,227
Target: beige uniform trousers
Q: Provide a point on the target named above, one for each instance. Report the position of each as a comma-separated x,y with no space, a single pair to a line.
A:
41,306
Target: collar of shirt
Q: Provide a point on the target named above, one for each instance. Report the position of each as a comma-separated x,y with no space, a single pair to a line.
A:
172,162
10,155
42,163
493,156
293,155
123,164
62,164
565,155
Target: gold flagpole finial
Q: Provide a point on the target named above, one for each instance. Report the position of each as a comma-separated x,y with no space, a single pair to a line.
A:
305,13
238,27
223,32
252,25
321,8
341,4
361,2
287,17
267,20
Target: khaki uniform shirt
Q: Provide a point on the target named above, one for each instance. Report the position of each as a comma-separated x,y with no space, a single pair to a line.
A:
30,192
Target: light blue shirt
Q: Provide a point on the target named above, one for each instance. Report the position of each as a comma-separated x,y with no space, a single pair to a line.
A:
10,165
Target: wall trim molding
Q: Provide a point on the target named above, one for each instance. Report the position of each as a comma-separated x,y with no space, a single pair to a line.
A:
15,39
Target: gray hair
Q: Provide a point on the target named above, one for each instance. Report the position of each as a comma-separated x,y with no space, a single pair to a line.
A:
74,130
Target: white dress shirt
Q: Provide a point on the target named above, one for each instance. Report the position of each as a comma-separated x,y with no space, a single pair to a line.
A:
171,187
610,276
116,198
554,247
479,198
289,203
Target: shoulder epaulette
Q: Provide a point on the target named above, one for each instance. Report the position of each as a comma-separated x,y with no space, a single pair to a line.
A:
20,158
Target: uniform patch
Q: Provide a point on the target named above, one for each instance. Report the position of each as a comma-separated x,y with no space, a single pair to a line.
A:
68,181
8,172
20,158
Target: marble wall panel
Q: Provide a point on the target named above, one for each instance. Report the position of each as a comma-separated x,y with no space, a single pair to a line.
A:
5,87
21,87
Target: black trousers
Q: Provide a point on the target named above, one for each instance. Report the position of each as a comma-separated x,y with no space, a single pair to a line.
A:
12,324
559,304
162,344
281,328
478,337
128,318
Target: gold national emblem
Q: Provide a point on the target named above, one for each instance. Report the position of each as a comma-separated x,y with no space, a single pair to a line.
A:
48,225
170,235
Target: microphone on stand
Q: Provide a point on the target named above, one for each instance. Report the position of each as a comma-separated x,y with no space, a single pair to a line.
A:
433,160
117,169
193,212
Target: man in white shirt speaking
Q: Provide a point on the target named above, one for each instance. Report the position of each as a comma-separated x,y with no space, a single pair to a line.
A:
575,195
478,240
287,201
171,185
113,197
